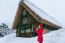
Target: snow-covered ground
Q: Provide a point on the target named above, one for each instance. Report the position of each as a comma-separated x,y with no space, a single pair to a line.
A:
52,37
57,36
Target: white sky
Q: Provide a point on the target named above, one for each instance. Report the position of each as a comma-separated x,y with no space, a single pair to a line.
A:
55,8
8,10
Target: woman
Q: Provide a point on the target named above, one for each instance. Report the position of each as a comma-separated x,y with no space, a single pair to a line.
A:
39,33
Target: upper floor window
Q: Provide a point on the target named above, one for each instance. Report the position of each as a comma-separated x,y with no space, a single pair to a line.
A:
24,12
25,20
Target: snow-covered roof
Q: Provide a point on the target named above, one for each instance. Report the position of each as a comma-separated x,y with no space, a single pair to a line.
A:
38,7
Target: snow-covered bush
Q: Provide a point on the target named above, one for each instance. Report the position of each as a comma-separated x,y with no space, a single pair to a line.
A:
4,30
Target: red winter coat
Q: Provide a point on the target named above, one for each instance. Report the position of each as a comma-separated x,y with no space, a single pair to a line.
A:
39,34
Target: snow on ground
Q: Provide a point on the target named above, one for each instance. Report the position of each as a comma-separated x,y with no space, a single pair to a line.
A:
52,37
13,39
55,36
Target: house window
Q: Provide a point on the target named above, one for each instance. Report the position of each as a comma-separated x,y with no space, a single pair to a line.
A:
22,31
24,20
24,12
28,30
25,17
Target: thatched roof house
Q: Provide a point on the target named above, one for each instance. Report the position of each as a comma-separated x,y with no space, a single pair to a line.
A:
27,13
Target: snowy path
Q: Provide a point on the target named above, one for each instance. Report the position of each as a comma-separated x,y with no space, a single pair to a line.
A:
52,37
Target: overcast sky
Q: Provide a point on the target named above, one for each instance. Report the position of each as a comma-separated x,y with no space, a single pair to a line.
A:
55,8
8,10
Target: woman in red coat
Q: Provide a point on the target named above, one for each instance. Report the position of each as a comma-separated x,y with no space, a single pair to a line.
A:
39,33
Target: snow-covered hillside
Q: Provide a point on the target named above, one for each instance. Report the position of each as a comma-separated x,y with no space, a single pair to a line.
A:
57,36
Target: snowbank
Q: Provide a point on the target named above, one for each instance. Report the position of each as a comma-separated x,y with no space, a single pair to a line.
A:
55,36
13,39
52,37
